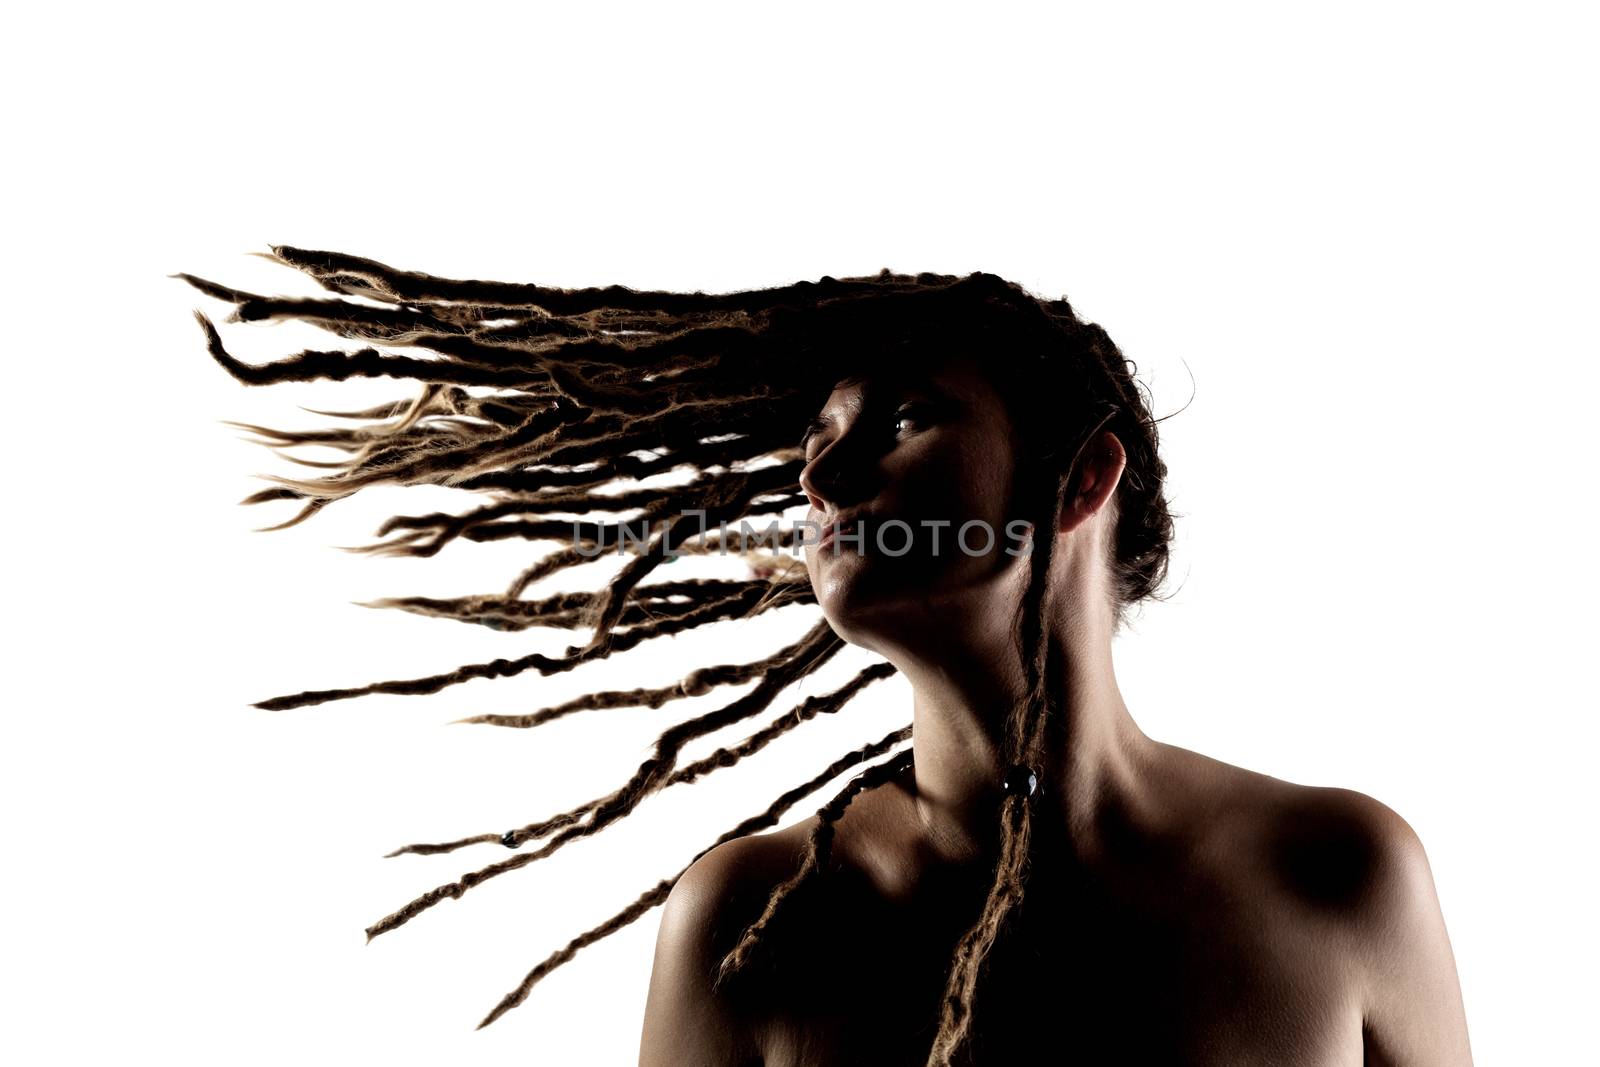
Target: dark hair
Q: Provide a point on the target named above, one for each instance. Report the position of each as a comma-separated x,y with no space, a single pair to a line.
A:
539,398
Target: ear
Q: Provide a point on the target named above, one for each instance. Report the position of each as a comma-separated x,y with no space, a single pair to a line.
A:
1101,470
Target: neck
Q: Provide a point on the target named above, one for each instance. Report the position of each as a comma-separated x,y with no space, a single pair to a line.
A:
965,680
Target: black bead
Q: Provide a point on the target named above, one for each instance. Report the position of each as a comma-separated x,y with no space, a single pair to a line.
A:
1020,781
509,839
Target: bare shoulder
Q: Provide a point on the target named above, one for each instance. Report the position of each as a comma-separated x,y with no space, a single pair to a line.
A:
1351,865
688,1018
714,886
1329,849
725,889
1343,851
1352,852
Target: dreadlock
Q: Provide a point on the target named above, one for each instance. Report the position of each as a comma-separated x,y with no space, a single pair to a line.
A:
540,399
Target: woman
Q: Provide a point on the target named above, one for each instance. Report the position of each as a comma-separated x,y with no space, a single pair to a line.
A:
1033,875
1183,910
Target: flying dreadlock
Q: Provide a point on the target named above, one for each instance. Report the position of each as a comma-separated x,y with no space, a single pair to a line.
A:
540,399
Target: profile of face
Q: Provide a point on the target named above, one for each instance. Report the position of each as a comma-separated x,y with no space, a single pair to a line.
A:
916,468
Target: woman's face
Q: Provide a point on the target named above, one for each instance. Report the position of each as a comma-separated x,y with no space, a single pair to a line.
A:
923,463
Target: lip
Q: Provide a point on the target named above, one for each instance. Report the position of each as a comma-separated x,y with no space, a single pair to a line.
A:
843,523
832,529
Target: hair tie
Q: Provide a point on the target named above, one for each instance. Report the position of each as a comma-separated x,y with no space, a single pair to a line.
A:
1020,781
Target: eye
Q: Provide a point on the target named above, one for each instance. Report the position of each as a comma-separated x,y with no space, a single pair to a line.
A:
813,429
914,412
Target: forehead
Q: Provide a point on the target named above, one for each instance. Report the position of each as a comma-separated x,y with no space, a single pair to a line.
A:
954,377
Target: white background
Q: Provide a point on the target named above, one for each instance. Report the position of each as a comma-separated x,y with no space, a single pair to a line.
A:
1356,240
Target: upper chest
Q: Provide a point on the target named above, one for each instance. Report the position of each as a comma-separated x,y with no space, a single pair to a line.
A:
1160,965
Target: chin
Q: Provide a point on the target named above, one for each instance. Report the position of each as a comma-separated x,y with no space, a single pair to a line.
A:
865,597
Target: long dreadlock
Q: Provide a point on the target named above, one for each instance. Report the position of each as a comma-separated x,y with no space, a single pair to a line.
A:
541,398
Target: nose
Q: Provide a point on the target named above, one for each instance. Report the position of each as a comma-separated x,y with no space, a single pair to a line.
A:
827,480
814,483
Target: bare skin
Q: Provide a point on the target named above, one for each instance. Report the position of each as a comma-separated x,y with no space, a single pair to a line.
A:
1178,910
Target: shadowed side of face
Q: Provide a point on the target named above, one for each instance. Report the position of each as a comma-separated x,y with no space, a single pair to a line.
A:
921,462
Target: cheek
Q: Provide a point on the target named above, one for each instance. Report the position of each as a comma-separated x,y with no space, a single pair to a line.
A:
960,481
